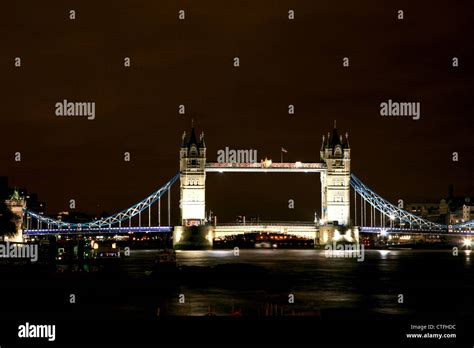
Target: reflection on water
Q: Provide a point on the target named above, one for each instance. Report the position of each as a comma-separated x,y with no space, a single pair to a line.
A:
429,280
383,253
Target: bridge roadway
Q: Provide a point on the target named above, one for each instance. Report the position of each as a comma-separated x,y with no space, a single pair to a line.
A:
302,228
391,230
306,229
96,230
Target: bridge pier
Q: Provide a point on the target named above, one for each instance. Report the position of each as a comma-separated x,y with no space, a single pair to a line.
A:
329,234
193,237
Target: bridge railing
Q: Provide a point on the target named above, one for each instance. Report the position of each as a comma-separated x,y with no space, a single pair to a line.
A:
269,223
372,229
466,224
104,230
264,165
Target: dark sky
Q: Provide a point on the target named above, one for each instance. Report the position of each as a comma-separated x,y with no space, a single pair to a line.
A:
191,62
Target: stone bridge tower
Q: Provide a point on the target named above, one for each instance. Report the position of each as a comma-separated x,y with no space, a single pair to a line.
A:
193,233
192,163
335,183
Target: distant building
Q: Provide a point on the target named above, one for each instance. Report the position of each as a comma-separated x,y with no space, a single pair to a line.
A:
450,210
461,214
75,217
32,201
435,212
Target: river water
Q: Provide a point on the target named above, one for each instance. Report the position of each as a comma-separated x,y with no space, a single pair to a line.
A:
412,287
306,282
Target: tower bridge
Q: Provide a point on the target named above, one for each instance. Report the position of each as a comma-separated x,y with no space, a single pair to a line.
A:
348,206
334,168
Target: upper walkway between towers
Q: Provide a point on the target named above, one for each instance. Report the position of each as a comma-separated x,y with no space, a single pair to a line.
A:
265,167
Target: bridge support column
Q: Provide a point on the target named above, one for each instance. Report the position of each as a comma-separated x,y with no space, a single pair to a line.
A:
193,237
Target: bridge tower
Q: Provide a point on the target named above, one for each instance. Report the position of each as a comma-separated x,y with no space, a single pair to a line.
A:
335,182
193,232
16,204
192,163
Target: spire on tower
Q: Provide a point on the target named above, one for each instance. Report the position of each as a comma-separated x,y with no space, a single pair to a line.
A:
346,141
201,140
192,138
335,138
183,139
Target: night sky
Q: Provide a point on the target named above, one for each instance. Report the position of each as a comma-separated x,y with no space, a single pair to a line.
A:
190,62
